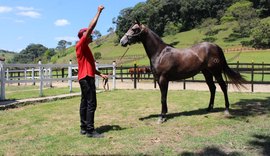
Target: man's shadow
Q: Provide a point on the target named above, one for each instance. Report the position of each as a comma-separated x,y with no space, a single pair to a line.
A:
107,128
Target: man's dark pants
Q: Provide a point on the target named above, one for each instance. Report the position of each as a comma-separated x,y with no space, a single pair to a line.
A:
88,103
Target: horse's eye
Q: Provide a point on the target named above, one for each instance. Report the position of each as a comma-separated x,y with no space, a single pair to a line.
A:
136,30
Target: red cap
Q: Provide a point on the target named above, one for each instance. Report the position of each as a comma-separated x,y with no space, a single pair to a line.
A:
80,33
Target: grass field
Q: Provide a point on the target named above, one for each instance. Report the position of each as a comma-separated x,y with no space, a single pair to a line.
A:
128,118
30,91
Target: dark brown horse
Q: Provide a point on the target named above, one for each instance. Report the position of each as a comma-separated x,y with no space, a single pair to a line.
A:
170,64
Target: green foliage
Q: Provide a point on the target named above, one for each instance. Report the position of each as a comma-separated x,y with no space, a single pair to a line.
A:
158,15
31,54
261,34
172,28
97,55
210,39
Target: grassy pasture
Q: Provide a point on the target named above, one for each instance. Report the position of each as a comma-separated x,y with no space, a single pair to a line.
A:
128,120
30,91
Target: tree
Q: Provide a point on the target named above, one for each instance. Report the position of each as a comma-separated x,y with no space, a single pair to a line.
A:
245,16
62,45
31,54
110,30
96,35
97,55
261,34
172,28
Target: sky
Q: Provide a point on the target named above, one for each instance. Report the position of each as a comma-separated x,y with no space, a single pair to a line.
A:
25,22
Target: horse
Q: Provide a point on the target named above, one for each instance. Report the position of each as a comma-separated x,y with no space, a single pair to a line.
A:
132,71
171,64
139,72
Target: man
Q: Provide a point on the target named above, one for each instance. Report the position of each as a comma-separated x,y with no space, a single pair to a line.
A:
86,77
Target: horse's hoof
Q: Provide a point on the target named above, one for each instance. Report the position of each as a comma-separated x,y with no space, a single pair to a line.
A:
209,109
161,120
227,113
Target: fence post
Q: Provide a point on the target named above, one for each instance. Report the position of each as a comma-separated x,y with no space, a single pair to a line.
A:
50,76
63,73
121,72
33,76
114,75
252,77
41,78
2,72
70,76
135,76
262,71
7,76
25,75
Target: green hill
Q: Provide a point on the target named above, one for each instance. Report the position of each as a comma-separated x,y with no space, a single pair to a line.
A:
7,55
111,51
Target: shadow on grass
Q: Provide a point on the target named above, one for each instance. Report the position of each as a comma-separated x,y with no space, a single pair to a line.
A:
262,142
210,151
251,107
243,108
107,128
186,113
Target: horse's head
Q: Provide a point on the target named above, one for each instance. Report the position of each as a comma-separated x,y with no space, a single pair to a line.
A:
133,34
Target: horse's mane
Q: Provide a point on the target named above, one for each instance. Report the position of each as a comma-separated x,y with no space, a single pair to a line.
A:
155,35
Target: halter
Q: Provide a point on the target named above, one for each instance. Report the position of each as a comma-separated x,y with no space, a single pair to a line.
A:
134,35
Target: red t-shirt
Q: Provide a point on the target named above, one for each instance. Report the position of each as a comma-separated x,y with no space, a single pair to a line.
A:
86,62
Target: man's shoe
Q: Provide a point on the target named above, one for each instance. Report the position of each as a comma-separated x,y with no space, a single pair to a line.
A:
94,134
83,132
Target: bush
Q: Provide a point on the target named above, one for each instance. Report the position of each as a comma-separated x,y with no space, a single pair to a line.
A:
261,33
209,39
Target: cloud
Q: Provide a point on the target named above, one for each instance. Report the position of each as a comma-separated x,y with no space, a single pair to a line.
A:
18,21
4,9
22,8
61,22
67,38
32,14
19,38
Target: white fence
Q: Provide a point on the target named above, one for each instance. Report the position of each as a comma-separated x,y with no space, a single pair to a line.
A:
42,74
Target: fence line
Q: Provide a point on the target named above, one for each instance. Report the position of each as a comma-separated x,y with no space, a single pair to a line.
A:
250,70
43,74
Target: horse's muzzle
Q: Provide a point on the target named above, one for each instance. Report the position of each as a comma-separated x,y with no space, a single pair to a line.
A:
124,41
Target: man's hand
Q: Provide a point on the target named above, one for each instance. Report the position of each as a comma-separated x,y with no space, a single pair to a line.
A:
100,8
104,76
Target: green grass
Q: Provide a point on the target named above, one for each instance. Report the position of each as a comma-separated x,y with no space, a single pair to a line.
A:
30,91
128,120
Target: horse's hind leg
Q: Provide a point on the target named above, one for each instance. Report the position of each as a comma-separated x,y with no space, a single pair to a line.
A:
209,80
223,87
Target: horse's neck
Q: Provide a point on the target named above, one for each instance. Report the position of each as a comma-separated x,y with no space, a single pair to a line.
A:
153,44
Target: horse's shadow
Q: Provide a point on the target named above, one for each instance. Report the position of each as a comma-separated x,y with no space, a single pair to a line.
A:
186,113
242,108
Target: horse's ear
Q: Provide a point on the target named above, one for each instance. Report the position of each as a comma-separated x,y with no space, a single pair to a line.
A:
137,21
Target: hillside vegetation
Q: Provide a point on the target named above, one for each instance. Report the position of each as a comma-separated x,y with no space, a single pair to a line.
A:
112,52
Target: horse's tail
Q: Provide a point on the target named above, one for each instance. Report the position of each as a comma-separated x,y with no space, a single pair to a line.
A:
235,77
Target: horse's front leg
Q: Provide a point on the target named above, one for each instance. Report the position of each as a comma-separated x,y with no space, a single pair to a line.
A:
163,86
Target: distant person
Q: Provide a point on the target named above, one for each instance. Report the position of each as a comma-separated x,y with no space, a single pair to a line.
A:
86,77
